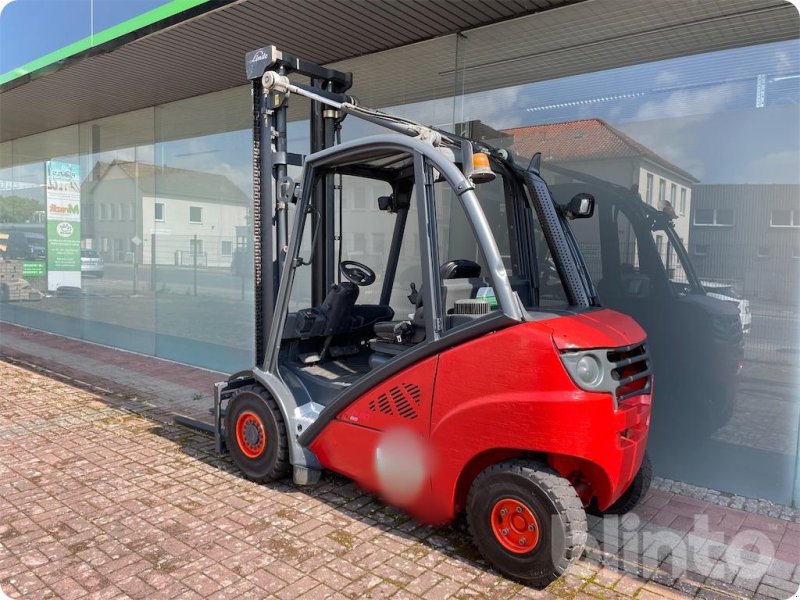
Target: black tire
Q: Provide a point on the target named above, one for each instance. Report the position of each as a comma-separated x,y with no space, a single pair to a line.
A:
549,498
633,495
261,451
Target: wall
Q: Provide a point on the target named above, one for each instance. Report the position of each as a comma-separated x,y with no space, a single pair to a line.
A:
698,112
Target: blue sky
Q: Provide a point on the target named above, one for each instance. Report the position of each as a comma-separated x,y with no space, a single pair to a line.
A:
699,111
32,28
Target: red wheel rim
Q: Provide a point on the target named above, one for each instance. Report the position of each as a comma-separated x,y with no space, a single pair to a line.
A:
515,526
250,434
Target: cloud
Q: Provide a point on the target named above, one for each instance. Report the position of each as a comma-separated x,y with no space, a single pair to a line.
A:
672,139
665,78
500,109
776,167
682,103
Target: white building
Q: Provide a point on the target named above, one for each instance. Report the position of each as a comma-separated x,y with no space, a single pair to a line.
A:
161,215
594,147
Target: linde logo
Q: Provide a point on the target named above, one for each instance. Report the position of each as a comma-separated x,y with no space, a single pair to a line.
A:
69,209
259,55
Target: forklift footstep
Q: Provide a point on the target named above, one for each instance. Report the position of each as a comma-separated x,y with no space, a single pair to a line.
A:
338,351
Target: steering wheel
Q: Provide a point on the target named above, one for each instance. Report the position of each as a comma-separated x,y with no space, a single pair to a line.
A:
356,273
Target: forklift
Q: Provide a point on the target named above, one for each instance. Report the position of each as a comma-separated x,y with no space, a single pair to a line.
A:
450,390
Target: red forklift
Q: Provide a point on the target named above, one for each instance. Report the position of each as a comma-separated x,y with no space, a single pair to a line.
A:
445,386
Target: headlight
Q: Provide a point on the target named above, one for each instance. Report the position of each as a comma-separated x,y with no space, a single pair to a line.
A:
588,370
623,372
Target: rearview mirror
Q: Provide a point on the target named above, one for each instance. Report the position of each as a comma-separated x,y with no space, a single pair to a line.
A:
581,206
393,203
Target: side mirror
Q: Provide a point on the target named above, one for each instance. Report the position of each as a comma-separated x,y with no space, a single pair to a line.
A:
385,203
581,206
393,203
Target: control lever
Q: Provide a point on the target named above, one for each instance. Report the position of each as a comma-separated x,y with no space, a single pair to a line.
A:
414,295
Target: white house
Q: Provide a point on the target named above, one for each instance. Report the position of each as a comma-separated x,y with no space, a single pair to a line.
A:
161,215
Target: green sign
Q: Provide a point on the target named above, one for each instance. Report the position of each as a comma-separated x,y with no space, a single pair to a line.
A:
63,225
32,269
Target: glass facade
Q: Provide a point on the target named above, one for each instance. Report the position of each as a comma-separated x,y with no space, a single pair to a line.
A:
694,163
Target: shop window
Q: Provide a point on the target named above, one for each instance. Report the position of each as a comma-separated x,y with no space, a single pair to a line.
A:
683,201
713,217
662,192
673,194
784,218
649,196
195,247
159,211
195,214
226,248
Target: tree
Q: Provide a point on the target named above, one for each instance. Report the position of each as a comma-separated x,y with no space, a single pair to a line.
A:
17,209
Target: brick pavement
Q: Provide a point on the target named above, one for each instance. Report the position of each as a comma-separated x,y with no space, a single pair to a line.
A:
99,501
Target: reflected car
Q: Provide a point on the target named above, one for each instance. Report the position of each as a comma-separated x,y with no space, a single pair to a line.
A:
724,291
695,338
91,263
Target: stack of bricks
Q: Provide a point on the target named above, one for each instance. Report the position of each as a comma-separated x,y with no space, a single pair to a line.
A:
12,286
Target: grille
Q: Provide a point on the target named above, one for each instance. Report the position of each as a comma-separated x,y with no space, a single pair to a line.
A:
631,370
402,401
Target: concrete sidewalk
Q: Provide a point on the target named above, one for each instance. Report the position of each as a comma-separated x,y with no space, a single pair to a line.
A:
101,495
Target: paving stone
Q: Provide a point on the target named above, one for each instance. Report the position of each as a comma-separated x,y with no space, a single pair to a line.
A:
104,497
773,592
781,584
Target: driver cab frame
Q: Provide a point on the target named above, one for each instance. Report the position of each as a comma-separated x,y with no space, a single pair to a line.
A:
410,166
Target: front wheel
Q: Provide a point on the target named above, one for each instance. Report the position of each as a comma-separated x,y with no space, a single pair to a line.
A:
526,520
256,434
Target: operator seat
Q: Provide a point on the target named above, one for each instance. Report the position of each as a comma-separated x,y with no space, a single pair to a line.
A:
460,268
330,317
394,337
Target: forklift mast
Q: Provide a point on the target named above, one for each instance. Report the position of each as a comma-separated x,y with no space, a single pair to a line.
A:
268,69
272,187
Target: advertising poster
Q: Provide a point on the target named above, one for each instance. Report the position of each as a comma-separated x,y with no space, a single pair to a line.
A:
63,225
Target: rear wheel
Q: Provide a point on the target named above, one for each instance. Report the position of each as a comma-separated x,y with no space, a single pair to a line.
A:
635,492
256,434
526,520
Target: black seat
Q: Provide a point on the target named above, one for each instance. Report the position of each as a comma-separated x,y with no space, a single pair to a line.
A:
394,337
330,317
460,268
